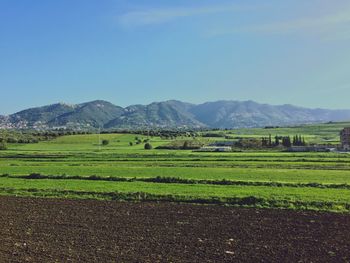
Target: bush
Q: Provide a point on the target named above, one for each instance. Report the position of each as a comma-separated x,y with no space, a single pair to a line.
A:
185,146
249,143
12,140
182,145
131,144
3,146
148,146
105,142
211,134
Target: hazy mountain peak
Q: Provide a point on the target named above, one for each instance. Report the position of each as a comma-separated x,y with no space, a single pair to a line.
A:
170,113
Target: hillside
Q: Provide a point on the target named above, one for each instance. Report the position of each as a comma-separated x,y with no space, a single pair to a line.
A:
169,114
158,114
96,114
248,114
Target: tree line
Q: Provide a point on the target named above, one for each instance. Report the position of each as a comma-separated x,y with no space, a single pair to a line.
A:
285,141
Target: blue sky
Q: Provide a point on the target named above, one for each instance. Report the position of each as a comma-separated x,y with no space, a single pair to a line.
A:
131,52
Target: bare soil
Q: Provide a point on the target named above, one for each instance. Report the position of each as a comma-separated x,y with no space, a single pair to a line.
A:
56,230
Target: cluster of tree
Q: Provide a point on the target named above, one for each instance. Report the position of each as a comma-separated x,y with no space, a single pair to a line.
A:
182,145
28,136
18,137
285,141
248,143
298,140
168,134
59,132
213,134
139,140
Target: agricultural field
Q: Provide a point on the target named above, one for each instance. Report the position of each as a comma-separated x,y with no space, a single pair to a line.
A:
316,133
65,230
78,166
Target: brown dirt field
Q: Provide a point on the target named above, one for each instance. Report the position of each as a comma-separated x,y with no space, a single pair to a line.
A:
56,230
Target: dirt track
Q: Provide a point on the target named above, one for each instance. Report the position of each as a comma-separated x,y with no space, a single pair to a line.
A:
49,230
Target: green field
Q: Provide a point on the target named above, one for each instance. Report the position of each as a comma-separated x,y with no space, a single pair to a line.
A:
77,166
316,133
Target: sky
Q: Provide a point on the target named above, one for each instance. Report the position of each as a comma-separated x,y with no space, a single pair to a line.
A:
137,52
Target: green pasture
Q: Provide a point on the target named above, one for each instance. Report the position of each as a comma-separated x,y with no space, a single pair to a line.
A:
314,133
295,180
285,197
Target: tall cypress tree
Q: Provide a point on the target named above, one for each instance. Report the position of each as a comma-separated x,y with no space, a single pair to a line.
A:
277,140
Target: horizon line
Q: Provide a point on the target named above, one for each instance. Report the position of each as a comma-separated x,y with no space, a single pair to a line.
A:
177,100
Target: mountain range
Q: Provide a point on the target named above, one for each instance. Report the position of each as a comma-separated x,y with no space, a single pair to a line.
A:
168,114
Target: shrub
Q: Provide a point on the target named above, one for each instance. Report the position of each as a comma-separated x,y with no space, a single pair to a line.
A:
249,143
3,145
105,142
148,146
186,145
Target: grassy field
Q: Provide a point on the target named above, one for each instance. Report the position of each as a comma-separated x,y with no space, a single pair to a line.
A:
316,133
78,167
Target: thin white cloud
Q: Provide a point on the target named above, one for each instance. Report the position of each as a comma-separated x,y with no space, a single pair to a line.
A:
332,26
162,15
331,23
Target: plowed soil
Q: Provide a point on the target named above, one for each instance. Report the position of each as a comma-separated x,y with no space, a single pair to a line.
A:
56,230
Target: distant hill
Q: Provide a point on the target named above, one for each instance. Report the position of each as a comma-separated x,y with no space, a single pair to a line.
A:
238,114
158,114
41,114
96,114
168,114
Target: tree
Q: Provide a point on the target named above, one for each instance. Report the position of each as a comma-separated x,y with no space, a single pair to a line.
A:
105,142
3,145
249,143
148,146
186,145
298,140
131,144
264,142
286,142
277,140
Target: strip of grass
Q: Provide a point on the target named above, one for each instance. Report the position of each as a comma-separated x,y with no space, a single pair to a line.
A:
262,196
196,173
167,180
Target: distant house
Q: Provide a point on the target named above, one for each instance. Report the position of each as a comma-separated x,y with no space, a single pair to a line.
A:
345,138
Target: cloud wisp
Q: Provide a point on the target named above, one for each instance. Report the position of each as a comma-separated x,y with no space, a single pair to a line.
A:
331,26
163,15
326,25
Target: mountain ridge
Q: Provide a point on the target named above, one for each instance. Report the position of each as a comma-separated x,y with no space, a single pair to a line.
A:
168,114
